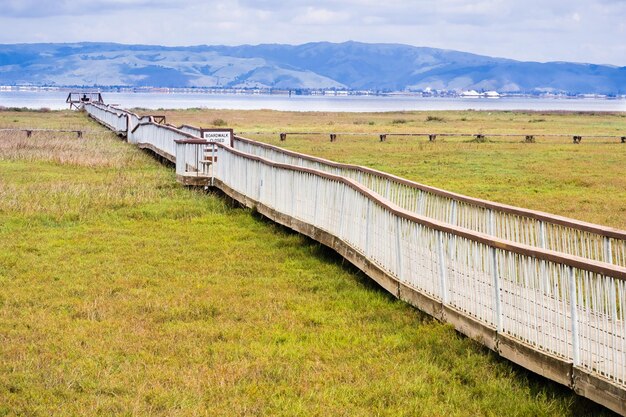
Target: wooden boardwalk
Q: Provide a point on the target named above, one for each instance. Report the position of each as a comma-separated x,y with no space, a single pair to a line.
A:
558,314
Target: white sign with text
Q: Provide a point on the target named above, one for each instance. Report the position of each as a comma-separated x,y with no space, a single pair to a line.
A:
223,137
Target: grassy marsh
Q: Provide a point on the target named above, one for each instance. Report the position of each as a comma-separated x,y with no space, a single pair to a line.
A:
122,293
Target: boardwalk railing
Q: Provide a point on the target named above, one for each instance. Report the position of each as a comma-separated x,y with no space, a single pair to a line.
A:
195,161
112,117
559,315
529,227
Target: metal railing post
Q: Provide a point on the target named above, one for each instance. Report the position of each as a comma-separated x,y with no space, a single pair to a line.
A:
342,211
496,286
574,317
399,246
492,223
442,268
453,212
213,163
368,216
608,253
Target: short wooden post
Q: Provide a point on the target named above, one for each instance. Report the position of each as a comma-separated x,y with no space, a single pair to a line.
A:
333,137
283,137
383,138
432,137
529,139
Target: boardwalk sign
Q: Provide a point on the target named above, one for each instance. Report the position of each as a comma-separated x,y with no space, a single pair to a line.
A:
223,136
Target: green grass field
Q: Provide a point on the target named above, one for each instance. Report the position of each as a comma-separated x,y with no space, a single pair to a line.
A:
584,181
122,293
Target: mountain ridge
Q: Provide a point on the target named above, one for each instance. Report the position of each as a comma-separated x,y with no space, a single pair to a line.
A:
315,65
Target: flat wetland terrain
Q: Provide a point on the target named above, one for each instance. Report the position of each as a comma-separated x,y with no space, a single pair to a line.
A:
123,293
584,181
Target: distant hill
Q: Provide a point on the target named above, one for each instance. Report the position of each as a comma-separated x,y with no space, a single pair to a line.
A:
349,65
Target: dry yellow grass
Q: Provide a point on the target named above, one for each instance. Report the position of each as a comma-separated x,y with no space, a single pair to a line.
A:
468,122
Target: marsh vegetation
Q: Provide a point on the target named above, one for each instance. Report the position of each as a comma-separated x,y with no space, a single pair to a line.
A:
122,293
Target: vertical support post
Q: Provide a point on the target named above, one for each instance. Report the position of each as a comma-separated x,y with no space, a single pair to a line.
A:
399,246
292,196
179,158
341,209
276,178
453,212
442,268
420,203
542,244
246,175
317,186
608,253
213,160
368,219
613,303
496,286
574,317
260,184
197,151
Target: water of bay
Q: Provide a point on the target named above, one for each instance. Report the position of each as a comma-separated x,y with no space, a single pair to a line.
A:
56,100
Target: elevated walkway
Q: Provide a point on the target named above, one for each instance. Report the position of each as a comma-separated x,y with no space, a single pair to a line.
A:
557,313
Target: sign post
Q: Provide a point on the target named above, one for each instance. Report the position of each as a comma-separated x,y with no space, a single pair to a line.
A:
213,137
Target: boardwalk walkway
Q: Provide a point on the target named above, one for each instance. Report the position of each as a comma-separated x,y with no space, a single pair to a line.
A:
544,291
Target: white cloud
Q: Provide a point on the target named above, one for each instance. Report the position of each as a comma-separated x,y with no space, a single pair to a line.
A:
48,9
318,16
542,30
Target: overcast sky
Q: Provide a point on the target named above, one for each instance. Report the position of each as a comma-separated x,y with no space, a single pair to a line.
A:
532,30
